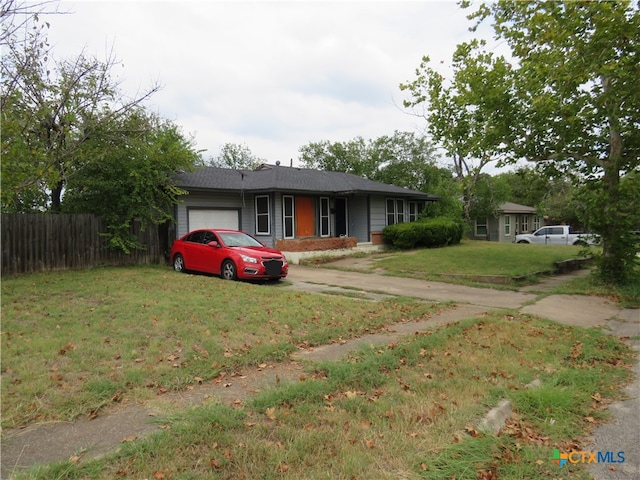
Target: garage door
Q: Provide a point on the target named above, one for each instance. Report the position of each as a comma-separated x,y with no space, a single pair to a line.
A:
213,219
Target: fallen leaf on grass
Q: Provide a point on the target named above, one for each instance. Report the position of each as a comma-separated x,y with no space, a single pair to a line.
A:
486,475
68,347
576,350
130,438
472,431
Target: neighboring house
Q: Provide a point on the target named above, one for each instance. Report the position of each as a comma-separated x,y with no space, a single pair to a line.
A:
294,209
511,220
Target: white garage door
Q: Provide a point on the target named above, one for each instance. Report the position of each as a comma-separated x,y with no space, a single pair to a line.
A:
213,219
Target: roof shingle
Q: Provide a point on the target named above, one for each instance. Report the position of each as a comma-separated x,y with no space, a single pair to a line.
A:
288,179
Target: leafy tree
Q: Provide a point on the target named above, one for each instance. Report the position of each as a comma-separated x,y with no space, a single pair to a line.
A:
129,177
49,110
15,15
487,196
562,205
527,186
578,91
347,157
403,159
467,114
554,197
237,156
72,142
568,99
446,187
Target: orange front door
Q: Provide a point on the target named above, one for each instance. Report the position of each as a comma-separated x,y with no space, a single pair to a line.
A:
304,217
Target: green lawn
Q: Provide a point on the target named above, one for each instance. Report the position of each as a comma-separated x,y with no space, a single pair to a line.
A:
479,258
404,410
465,262
74,343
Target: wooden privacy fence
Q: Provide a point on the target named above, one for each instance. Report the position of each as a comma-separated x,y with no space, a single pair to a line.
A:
40,242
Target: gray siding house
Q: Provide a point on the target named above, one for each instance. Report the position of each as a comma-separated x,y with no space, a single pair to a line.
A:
275,203
511,219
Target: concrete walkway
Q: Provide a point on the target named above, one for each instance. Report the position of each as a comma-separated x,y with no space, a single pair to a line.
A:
85,439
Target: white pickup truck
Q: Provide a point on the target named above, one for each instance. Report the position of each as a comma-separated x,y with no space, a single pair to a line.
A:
557,235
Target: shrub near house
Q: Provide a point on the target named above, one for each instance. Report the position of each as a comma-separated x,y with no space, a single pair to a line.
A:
428,232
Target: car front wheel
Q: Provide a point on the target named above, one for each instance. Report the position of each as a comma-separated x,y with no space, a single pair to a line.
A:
229,270
178,263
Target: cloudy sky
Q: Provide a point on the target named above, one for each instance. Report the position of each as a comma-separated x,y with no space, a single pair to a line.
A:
271,75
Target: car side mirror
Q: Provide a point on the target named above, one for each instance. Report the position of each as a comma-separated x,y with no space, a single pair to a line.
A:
213,243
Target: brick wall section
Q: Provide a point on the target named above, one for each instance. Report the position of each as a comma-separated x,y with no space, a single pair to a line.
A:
313,244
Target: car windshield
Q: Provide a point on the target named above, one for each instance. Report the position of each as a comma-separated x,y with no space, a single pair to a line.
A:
232,239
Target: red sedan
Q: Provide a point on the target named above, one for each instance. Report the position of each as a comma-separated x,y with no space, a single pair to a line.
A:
228,253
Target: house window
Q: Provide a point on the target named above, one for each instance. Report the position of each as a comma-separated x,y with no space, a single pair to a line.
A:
524,223
536,223
414,209
395,211
481,227
288,217
262,215
507,225
324,217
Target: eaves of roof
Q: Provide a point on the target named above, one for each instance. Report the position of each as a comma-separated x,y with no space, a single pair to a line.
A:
510,207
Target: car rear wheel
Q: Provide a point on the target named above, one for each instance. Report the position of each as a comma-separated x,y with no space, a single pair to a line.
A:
178,263
229,270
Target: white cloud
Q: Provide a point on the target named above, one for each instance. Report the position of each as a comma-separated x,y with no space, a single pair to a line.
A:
272,75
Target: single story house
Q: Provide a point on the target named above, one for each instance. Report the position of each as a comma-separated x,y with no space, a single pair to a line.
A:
294,209
510,220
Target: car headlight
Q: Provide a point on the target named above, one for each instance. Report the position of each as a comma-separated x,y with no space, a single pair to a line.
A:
248,259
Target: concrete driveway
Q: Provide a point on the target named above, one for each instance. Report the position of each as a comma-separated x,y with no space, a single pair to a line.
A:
576,310
621,435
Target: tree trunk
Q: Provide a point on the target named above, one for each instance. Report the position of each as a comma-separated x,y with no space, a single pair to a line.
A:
613,248
56,197
613,267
